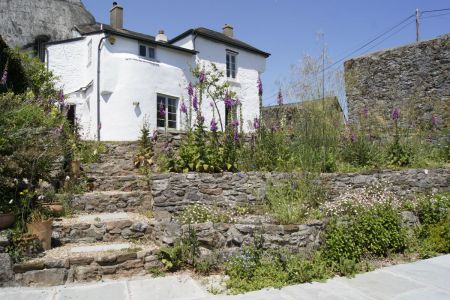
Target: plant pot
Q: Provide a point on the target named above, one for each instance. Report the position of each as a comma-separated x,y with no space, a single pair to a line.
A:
6,220
43,230
75,168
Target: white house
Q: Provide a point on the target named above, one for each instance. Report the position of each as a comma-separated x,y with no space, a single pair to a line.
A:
115,78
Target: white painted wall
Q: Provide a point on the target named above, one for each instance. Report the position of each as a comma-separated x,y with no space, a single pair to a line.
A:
126,78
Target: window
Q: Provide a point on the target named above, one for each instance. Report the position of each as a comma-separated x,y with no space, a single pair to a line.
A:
89,52
231,64
146,51
167,116
39,46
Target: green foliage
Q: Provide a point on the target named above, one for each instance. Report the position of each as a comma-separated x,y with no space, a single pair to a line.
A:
296,200
371,232
433,232
144,158
184,253
254,269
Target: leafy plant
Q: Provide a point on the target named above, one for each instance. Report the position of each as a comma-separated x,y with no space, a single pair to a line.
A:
296,200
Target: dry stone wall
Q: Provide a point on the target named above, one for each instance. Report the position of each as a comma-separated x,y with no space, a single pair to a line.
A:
174,192
414,77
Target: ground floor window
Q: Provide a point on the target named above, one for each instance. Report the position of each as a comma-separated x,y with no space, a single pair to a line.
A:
166,111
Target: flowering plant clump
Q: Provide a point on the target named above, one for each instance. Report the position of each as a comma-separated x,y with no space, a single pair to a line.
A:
198,213
213,150
352,202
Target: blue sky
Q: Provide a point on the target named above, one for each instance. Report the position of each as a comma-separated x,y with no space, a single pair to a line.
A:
285,28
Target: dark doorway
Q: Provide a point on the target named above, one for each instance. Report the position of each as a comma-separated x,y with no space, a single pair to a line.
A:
71,115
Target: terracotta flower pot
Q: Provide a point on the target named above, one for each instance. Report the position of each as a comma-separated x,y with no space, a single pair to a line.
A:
43,230
6,220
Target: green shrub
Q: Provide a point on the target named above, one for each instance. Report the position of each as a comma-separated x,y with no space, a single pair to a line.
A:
296,200
371,232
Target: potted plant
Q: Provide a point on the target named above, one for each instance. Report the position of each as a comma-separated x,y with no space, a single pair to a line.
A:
41,226
7,217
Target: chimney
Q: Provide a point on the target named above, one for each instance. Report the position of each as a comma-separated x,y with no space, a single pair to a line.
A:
161,37
116,16
228,30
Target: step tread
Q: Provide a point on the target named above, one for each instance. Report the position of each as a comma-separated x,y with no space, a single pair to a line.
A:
92,250
100,218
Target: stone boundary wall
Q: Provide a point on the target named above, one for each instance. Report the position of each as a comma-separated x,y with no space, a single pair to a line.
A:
174,192
414,77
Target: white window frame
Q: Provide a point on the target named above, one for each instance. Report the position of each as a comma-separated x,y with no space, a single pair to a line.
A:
230,71
147,52
89,45
166,117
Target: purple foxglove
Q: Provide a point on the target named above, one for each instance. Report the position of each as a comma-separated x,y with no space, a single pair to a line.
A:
183,108
395,115
256,123
213,125
202,76
190,89
260,87
195,103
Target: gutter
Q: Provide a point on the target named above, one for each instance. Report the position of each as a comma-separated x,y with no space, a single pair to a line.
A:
99,48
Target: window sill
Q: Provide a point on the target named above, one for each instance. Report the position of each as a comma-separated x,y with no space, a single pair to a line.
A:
233,82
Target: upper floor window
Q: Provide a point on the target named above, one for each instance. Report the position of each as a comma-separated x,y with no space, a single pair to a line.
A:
166,108
39,46
146,51
231,64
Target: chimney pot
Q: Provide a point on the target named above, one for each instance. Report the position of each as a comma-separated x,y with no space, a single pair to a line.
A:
161,36
228,30
116,16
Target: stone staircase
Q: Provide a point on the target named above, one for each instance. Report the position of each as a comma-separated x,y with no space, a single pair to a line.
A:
109,235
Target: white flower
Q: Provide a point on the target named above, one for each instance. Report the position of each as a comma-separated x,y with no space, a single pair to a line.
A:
25,180
425,171
41,197
67,178
11,201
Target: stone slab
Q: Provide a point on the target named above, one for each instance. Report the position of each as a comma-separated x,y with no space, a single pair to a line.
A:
427,293
27,294
381,285
111,291
103,217
100,248
173,287
424,272
329,290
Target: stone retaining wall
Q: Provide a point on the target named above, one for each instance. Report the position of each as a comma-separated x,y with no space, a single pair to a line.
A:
414,77
174,192
227,238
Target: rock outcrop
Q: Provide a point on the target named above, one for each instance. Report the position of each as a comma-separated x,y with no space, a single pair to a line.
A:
22,21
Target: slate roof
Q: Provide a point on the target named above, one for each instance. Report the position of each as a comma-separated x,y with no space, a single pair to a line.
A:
219,37
87,29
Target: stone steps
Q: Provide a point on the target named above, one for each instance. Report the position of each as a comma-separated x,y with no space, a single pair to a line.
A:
125,183
106,227
112,201
111,167
87,262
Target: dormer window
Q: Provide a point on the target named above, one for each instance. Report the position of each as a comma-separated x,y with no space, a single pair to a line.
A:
146,51
231,64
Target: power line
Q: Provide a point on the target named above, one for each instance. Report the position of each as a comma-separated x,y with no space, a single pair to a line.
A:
435,10
368,43
437,15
